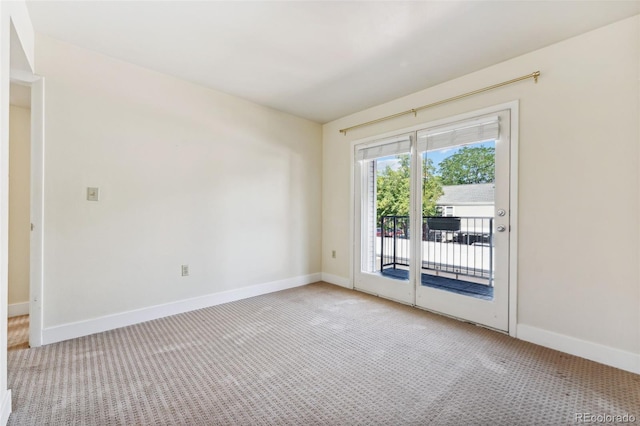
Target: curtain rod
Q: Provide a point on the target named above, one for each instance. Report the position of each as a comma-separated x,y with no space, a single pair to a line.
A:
414,111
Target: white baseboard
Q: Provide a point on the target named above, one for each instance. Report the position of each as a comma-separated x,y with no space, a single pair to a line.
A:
613,357
109,322
17,309
6,408
335,279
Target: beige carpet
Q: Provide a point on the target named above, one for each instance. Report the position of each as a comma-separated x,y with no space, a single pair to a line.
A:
18,333
315,355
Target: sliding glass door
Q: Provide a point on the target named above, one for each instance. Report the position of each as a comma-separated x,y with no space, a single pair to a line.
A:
433,218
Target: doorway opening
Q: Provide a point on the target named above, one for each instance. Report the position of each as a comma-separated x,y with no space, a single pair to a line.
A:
25,198
19,216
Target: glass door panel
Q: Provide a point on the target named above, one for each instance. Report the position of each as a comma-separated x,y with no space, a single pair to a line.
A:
457,249
465,181
383,216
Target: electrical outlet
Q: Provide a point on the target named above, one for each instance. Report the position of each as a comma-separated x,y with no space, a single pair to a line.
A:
333,254
185,270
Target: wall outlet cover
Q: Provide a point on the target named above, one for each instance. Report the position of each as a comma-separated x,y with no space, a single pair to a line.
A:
93,194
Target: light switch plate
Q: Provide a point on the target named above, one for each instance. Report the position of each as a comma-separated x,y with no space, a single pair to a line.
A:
93,194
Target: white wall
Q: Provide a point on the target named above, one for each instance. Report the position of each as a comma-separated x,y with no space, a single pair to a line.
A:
187,175
19,204
578,277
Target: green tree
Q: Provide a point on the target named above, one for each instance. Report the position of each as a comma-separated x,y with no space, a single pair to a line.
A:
431,187
393,188
469,165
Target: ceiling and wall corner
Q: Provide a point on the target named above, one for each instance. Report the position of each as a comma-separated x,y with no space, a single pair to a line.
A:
320,60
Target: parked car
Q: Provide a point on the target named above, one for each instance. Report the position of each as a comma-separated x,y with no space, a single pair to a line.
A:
389,233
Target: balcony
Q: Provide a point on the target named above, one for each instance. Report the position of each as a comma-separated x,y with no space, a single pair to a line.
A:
457,252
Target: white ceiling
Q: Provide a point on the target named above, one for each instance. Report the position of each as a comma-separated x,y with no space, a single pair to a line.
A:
320,60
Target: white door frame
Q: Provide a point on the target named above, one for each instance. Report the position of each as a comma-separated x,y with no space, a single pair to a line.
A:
513,106
36,258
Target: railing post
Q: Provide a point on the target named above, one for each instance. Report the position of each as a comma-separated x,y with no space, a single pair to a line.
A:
381,243
395,226
491,248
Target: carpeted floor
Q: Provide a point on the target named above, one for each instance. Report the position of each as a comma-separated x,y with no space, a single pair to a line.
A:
314,355
18,333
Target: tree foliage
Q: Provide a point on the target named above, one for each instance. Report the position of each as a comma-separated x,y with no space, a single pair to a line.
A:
469,165
393,189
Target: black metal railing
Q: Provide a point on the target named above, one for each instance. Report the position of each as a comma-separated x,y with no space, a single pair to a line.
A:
455,245
394,253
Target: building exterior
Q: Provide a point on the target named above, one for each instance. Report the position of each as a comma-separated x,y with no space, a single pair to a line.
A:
476,200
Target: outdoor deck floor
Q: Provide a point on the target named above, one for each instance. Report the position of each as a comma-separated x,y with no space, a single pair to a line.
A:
464,288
